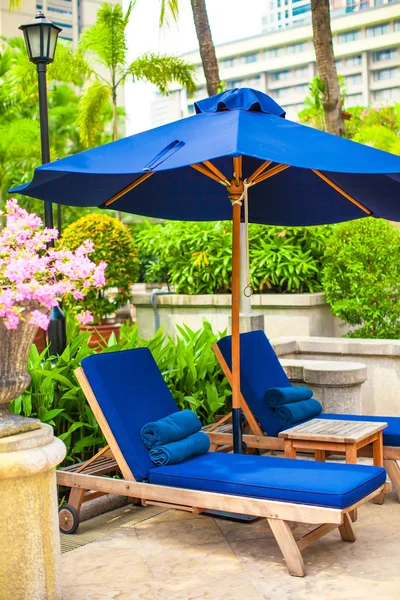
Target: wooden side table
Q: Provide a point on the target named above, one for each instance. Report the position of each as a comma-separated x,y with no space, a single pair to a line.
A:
322,435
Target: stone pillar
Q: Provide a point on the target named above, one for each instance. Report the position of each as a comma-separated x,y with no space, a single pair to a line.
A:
29,533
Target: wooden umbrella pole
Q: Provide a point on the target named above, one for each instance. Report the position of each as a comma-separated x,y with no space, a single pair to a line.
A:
236,409
236,190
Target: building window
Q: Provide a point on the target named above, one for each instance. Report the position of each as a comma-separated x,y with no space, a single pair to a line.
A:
279,75
350,5
385,74
397,25
378,30
354,79
349,36
301,72
299,10
384,54
354,100
227,63
236,83
274,52
353,61
364,4
251,58
297,48
389,94
378,2
283,92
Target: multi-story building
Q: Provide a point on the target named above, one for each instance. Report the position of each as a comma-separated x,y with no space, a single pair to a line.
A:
71,15
282,63
285,13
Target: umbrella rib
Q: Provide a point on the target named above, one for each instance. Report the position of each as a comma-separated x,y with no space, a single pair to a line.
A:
216,171
274,171
205,171
258,171
342,192
128,188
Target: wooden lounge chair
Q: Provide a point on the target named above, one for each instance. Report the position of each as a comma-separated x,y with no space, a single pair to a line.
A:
261,370
126,390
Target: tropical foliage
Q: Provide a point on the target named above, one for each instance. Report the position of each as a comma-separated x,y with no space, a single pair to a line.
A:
375,127
170,9
113,244
196,258
361,277
106,44
188,365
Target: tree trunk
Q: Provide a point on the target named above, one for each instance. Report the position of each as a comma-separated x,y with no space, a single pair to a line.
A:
321,21
207,50
115,115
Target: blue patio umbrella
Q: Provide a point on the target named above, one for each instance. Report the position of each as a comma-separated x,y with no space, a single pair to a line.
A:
202,168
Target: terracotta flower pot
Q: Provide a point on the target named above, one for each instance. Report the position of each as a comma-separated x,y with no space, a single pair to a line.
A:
101,333
14,377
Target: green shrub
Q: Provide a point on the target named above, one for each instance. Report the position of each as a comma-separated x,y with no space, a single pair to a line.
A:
196,258
113,244
188,365
361,277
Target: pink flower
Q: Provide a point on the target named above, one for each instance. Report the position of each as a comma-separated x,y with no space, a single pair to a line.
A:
85,317
366,111
39,319
31,272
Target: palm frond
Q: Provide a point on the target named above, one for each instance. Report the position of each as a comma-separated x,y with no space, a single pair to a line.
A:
162,70
106,37
91,107
169,10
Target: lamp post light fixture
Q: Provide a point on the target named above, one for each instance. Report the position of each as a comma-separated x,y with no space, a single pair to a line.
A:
41,36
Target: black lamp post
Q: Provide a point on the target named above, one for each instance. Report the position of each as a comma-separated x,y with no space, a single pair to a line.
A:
41,40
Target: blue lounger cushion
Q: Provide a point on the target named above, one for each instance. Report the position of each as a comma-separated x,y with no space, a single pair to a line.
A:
260,370
333,485
291,414
275,397
173,428
176,452
131,392
391,434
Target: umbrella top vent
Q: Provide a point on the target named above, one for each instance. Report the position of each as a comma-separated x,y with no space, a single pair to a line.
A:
240,99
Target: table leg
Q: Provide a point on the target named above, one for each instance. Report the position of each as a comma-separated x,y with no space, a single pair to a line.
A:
320,455
377,456
351,458
290,452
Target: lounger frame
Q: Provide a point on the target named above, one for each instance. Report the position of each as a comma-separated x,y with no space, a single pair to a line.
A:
257,439
278,514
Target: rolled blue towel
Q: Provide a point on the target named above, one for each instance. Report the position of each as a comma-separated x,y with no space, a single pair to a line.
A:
170,429
277,396
176,452
290,414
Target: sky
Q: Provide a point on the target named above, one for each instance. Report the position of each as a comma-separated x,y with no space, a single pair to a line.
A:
228,19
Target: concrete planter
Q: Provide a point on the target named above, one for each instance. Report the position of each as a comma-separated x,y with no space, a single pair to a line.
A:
14,377
284,314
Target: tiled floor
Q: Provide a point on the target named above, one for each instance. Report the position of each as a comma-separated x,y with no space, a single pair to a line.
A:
180,556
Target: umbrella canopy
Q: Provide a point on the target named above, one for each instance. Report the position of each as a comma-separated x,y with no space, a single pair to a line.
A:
324,170
200,168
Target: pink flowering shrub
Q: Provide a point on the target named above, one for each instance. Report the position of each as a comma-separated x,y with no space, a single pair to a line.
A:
33,277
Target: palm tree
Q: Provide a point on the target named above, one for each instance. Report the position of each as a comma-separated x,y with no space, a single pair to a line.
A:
105,43
331,102
203,32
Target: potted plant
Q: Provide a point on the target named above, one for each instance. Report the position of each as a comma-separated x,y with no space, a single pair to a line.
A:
113,243
33,279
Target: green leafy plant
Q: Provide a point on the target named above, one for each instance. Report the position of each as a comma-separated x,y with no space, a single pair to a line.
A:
188,365
113,244
196,258
361,277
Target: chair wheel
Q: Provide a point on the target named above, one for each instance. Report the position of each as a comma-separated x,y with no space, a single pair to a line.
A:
68,519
